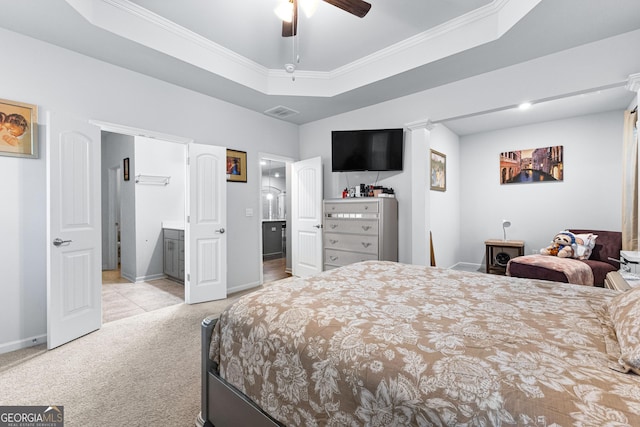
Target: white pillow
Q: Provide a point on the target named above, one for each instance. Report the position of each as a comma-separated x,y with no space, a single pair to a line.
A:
585,244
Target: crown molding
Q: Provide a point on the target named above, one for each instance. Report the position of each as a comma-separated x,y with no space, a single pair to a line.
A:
420,124
133,22
633,83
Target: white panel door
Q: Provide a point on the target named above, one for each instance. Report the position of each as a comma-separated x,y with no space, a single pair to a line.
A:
74,261
306,217
205,234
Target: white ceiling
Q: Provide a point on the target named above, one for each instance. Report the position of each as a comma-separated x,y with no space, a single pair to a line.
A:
234,51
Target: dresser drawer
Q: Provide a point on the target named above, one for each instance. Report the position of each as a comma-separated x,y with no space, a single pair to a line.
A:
351,242
340,258
354,207
360,226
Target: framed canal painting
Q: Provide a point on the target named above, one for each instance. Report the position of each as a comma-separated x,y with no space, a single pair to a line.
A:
533,165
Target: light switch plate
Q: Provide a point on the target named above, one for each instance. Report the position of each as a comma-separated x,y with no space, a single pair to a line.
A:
248,212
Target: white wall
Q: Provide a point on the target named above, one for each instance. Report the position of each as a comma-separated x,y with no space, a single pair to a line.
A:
22,254
315,141
59,80
589,197
444,207
157,203
442,211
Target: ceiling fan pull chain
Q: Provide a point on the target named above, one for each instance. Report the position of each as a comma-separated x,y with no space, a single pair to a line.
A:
293,43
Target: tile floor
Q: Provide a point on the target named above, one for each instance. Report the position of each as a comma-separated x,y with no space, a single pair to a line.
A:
121,298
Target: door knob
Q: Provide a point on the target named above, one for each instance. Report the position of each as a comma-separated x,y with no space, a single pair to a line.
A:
318,226
58,241
221,231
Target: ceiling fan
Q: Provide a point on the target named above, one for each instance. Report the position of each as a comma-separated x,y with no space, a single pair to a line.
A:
288,11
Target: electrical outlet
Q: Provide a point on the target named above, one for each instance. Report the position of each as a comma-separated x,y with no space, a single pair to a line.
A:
248,212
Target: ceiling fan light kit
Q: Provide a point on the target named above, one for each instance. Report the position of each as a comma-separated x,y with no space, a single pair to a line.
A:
287,11
284,10
309,7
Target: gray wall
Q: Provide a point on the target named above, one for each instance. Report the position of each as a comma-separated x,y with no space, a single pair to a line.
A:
115,148
91,89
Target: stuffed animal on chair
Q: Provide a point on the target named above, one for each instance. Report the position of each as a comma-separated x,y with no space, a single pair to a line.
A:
563,245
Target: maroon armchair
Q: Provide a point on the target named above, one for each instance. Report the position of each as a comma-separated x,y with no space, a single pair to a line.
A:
608,244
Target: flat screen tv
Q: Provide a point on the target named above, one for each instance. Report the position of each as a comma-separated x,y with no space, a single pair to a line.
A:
367,150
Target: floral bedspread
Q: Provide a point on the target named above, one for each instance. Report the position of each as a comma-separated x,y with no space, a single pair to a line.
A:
386,344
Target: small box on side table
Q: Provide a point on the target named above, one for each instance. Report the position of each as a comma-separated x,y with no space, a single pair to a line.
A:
499,252
632,261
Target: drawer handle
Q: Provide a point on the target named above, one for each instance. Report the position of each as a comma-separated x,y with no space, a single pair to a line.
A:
333,242
365,244
366,227
333,258
333,226
366,207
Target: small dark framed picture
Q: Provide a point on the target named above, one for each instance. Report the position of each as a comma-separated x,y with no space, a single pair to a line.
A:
236,166
125,169
438,171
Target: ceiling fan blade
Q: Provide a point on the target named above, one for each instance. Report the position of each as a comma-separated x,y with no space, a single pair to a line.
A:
291,28
358,8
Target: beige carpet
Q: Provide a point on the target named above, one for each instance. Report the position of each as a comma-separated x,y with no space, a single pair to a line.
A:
139,371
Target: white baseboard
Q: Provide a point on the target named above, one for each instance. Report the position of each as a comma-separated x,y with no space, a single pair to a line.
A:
149,277
244,287
467,266
127,276
24,343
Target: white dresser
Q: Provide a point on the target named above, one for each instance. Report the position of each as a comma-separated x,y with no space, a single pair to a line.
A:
360,229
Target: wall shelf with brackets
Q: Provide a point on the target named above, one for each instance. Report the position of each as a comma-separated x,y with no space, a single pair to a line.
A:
152,179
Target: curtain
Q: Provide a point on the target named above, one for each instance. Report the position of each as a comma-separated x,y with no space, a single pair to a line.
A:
630,182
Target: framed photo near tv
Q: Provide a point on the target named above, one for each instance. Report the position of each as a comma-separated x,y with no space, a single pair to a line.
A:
18,129
438,174
236,166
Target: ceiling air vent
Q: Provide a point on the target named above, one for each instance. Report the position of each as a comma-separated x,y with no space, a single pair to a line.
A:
281,112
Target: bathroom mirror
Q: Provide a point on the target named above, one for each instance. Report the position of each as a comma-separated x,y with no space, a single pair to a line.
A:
273,190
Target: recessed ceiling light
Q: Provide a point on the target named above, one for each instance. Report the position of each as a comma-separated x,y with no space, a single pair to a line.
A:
524,106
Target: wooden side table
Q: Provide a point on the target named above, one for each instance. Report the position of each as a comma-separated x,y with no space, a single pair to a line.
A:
499,252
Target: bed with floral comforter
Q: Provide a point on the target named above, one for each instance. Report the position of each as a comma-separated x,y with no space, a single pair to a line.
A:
387,344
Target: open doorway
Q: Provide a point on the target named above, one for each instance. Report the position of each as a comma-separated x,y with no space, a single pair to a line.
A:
143,206
275,206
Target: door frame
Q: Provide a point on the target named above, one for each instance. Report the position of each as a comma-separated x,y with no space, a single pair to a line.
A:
288,161
133,131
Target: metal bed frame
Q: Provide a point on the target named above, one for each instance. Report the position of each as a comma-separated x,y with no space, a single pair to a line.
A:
222,404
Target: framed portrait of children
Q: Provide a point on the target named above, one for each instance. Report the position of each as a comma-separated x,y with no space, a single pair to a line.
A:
18,129
236,166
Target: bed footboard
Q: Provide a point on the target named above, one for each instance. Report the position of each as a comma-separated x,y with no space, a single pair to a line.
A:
222,404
